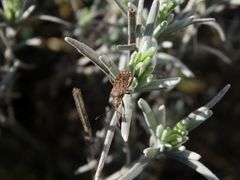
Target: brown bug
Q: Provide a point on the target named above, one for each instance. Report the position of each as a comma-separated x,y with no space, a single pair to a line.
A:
120,85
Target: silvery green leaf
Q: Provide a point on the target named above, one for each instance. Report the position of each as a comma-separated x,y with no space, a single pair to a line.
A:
146,77
148,116
151,152
149,53
145,44
141,66
197,117
148,43
152,140
154,84
180,24
127,118
164,134
161,147
199,167
28,12
161,115
150,23
183,154
134,57
92,55
218,28
160,28
218,97
136,169
177,63
159,130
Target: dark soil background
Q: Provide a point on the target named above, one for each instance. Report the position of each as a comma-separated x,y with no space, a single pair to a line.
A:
47,140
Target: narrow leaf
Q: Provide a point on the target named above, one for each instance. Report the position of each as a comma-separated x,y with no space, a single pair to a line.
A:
28,12
200,168
127,118
136,169
151,152
180,24
218,28
91,54
148,116
161,115
159,130
168,83
218,97
151,18
197,117
184,154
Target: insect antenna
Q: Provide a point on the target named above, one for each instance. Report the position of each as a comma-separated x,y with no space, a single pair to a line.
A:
109,110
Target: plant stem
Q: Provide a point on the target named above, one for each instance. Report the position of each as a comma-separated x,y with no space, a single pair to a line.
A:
107,144
131,26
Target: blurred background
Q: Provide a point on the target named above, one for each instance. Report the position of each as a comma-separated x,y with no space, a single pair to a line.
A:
41,136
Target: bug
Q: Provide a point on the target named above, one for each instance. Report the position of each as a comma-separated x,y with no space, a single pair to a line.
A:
120,87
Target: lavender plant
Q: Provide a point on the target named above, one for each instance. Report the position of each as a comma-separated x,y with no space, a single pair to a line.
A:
145,33
169,141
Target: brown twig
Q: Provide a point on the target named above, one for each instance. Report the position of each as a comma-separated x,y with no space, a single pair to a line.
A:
77,95
131,26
